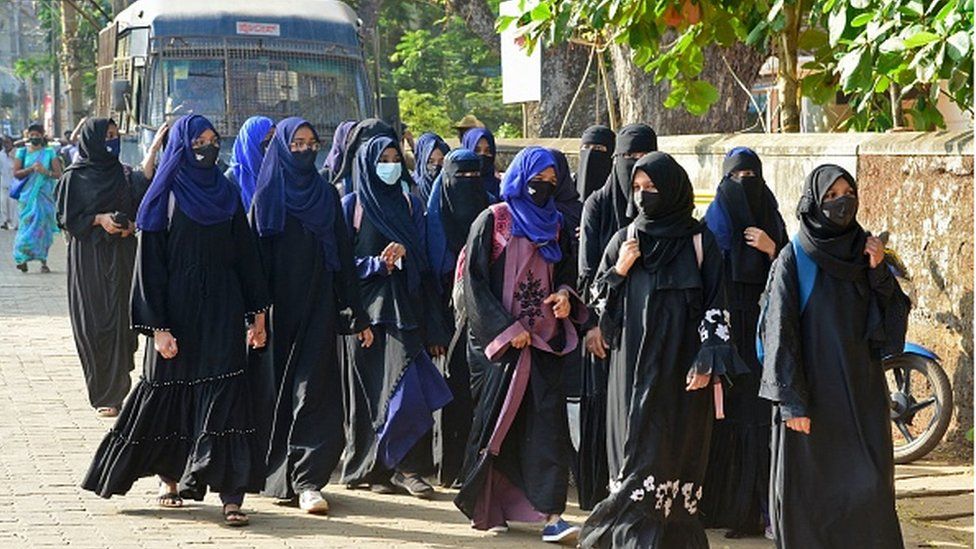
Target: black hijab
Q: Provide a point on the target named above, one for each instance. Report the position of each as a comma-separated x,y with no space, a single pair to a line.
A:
837,250
358,136
749,203
95,183
631,138
594,166
462,198
663,237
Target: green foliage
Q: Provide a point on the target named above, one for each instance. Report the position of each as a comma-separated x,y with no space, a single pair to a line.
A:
441,71
861,47
923,48
31,68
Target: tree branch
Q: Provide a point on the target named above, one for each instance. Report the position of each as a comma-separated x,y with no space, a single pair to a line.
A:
480,19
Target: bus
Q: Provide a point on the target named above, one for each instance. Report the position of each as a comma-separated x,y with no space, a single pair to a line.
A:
229,60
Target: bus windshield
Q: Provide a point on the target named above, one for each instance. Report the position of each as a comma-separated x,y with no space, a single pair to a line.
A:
325,90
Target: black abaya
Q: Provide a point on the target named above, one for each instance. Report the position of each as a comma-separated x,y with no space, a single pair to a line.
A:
306,436
834,487
190,417
661,325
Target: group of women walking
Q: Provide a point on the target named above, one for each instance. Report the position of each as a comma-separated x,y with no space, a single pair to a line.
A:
399,327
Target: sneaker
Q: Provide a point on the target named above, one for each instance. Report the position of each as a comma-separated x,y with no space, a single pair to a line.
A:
382,488
560,532
415,485
769,533
500,529
312,502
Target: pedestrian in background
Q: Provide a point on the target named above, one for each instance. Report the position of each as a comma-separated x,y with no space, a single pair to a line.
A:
97,201
8,205
38,168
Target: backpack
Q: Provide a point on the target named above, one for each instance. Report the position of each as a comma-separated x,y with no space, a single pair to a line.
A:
501,235
806,274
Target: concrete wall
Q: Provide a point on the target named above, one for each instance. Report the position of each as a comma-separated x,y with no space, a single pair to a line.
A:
918,186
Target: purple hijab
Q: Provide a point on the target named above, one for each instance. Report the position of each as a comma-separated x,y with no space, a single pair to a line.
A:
334,161
285,187
203,194
539,225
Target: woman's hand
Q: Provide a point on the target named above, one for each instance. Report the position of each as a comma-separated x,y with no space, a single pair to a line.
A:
698,381
595,343
560,303
629,252
799,424
393,252
165,344
366,337
257,337
522,340
758,239
875,250
104,220
129,231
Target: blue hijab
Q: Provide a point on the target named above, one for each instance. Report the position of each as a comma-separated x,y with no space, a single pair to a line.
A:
540,225
470,142
285,187
426,145
386,207
453,206
203,194
245,161
333,162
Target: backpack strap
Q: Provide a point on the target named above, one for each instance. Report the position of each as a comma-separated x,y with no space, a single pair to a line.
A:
502,230
699,249
806,272
357,215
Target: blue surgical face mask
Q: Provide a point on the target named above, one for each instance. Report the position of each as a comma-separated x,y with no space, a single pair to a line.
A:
389,172
113,146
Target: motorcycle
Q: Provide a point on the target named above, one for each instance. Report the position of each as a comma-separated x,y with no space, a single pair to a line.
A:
920,392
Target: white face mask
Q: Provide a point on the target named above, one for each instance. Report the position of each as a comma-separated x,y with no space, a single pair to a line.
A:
389,172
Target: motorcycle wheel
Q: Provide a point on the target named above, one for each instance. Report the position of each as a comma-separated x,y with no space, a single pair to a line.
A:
921,405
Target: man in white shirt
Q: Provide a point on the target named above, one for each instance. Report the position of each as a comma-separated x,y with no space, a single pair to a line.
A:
9,209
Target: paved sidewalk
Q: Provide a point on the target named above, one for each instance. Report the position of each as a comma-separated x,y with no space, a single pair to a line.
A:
48,434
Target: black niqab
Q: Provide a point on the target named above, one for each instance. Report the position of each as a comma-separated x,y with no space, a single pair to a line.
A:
632,138
665,235
837,250
594,165
463,198
567,199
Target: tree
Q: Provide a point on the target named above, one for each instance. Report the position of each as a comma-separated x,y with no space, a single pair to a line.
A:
883,54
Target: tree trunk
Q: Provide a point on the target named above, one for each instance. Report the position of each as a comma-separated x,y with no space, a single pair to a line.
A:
70,47
563,67
119,5
788,82
640,100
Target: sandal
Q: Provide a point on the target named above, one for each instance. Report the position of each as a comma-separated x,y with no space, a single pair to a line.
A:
22,267
45,269
170,500
235,518
108,411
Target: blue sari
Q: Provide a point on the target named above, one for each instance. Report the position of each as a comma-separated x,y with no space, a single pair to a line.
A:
37,226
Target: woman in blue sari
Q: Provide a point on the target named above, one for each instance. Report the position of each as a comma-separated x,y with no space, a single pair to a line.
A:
38,165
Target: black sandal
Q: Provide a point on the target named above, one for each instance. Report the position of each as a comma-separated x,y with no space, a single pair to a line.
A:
45,269
235,518
22,267
171,500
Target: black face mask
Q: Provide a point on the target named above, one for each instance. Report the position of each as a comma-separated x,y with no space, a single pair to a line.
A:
304,159
622,170
207,155
648,204
264,145
541,191
37,141
840,211
487,166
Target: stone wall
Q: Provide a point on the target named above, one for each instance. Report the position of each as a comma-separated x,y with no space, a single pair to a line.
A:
918,186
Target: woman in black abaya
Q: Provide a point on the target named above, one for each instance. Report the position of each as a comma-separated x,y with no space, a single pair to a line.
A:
832,311
96,207
197,280
665,316
307,255
749,230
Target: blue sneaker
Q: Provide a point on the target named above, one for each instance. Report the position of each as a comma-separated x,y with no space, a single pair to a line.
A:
560,532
